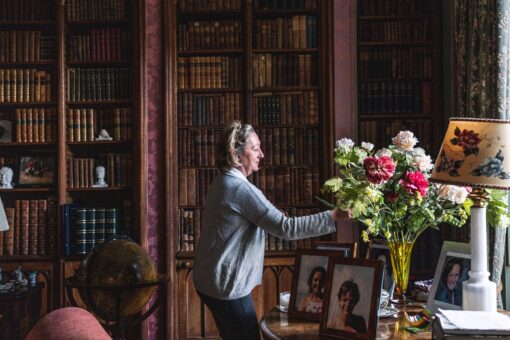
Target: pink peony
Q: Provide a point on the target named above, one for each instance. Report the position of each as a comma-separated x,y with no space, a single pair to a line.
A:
415,181
378,170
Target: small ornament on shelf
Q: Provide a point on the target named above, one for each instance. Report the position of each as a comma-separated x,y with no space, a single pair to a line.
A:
103,135
100,173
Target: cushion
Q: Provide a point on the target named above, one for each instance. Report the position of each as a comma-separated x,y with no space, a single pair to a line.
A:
68,323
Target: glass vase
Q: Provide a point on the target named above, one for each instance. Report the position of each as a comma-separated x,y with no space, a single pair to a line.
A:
400,253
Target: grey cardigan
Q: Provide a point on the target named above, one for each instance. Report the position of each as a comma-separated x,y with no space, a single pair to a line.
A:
230,253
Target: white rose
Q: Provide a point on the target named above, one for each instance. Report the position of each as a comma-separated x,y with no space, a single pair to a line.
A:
423,162
405,140
344,142
367,146
457,194
419,151
383,152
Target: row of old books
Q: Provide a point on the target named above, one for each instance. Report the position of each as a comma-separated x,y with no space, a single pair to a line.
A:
193,185
101,44
204,109
393,7
81,10
26,10
33,125
25,85
81,170
395,97
296,185
209,35
209,72
300,107
293,69
377,62
198,147
285,4
289,146
32,228
207,5
85,227
83,125
381,132
86,84
297,31
27,46
393,30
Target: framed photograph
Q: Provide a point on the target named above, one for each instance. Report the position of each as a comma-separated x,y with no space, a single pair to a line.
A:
36,171
379,250
351,298
451,271
5,131
348,249
310,277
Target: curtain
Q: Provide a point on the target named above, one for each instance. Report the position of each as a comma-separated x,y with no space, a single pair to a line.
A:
481,80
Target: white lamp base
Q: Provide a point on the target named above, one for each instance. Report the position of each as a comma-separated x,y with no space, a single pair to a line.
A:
479,293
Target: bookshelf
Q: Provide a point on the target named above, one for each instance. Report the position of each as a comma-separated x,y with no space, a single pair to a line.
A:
67,71
399,87
259,62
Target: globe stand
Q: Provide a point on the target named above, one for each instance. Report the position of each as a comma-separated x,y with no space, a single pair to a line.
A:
117,324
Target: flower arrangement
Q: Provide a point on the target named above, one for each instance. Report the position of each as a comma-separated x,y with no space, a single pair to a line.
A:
389,192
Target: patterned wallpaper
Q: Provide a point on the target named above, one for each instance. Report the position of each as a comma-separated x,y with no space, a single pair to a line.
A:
155,164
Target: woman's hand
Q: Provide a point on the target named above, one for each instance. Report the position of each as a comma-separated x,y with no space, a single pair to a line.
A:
339,215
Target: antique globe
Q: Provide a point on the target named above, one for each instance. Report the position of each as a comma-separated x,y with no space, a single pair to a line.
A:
117,272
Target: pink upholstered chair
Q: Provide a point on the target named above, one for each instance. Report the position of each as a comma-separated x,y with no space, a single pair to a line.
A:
68,323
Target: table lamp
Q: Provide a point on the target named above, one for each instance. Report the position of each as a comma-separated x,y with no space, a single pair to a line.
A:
476,152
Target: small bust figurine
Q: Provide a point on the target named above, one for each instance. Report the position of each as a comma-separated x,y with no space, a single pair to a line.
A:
6,177
103,135
100,173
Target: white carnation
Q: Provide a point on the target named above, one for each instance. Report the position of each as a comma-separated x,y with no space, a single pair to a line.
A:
419,151
405,140
367,146
383,152
423,162
344,142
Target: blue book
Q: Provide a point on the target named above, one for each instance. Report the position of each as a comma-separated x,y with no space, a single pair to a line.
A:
67,228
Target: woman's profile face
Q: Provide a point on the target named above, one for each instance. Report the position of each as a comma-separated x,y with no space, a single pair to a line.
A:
252,155
453,277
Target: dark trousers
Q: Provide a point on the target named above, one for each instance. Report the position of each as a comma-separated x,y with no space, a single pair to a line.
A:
235,319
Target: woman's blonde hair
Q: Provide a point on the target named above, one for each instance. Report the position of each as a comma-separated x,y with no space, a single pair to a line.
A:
233,144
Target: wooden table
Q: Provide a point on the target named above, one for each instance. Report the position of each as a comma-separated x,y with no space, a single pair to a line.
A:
276,325
15,306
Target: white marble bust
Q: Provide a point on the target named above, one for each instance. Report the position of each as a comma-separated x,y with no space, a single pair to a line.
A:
6,174
100,173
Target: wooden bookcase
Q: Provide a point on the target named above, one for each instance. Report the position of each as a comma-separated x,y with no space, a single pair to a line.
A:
67,70
261,62
399,87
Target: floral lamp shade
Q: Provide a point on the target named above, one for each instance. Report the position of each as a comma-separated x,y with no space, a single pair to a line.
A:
475,152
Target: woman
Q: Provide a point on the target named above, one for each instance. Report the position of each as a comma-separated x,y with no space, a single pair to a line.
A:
450,287
312,303
348,297
230,252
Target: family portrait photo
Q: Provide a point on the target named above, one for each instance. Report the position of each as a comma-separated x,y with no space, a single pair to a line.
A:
352,298
379,250
307,295
451,271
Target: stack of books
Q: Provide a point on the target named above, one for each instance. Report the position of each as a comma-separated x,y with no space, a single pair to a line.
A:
456,325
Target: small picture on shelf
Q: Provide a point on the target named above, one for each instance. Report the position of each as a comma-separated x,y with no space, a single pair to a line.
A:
36,171
451,272
379,250
5,131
